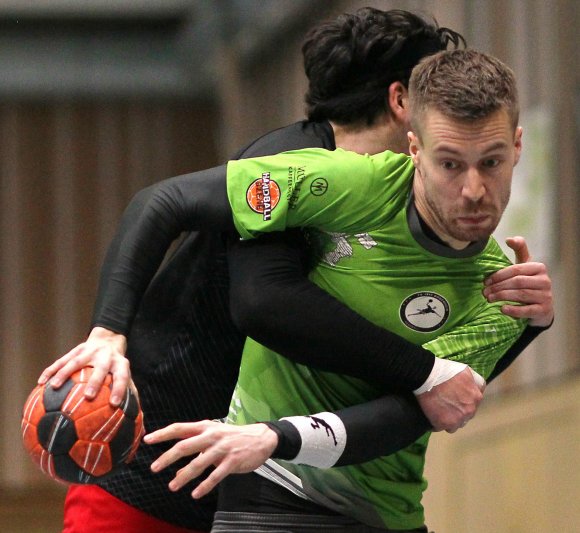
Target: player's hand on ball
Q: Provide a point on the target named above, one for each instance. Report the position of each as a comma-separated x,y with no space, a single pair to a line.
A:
526,283
104,350
231,449
77,440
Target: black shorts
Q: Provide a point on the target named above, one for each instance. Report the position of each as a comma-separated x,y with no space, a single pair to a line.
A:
252,503
225,522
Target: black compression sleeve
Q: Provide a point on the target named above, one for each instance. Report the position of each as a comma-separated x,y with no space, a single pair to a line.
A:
385,425
289,439
529,334
376,428
151,222
272,301
389,424
132,213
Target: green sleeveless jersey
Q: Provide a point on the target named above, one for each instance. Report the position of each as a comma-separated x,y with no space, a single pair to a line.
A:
370,253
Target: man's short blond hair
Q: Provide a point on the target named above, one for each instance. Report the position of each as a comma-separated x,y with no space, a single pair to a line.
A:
463,85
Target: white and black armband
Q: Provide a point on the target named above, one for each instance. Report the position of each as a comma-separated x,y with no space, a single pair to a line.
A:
315,440
375,428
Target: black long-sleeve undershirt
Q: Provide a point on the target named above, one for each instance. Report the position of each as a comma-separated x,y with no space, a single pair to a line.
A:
199,201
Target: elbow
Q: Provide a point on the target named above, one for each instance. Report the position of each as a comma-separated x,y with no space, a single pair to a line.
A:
140,198
250,309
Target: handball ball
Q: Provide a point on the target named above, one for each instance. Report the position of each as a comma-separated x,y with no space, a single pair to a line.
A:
76,440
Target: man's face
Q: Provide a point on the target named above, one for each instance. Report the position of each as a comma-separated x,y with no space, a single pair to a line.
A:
463,174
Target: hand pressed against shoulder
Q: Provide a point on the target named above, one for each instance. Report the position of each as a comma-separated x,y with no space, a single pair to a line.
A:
527,283
105,351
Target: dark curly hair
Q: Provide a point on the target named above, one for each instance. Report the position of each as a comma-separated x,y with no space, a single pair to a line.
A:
351,61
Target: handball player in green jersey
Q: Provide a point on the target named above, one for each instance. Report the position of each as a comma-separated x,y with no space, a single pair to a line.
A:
408,245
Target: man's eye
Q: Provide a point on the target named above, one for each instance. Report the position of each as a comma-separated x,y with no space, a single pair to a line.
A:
449,165
490,163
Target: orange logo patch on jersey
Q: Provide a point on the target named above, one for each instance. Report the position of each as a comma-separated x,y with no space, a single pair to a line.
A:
263,195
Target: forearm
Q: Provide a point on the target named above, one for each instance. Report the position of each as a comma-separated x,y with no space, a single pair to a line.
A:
273,302
151,222
352,435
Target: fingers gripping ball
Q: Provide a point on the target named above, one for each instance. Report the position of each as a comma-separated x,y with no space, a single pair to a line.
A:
76,440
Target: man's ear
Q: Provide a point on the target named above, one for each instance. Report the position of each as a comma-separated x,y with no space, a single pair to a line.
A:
399,101
414,148
518,144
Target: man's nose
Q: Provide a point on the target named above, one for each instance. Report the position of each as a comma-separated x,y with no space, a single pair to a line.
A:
473,186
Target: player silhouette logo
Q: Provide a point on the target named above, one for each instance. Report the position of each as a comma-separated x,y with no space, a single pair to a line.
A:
424,311
427,309
319,423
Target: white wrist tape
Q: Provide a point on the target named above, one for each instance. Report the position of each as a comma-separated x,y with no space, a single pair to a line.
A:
478,378
323,439
443,370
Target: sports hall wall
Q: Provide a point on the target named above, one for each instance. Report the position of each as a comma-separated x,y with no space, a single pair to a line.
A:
71,159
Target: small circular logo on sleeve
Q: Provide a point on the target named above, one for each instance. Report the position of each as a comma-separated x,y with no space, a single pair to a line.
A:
263,195
318,186
424,311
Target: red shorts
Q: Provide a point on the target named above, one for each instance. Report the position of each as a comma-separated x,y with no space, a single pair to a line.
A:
90,509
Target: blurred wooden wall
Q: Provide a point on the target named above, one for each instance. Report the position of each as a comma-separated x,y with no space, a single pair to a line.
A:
512,469
67,170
